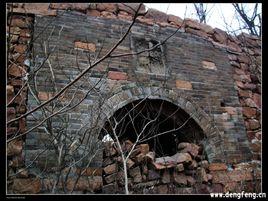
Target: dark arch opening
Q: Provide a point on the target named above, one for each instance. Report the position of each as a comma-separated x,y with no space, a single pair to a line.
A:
160,123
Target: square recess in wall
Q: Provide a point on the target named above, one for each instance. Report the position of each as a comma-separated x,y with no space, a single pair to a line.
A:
149,62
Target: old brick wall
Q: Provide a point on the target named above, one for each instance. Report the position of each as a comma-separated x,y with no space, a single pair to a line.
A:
216,75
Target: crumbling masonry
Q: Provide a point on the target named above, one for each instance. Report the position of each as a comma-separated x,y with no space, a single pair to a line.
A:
210,75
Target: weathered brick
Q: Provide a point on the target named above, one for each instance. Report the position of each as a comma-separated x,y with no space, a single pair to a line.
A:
94,13
85,183
249,112
181,84
20,21
20,48
209,65
230,110
217,166
37,9
109,7
115,75
17,70
14,147
85,46
110,169
27,186
44,96
175,19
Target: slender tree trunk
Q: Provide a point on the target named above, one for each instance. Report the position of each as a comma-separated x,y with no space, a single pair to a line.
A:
125,175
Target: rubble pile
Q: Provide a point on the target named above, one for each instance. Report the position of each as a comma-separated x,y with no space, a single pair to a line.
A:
148,174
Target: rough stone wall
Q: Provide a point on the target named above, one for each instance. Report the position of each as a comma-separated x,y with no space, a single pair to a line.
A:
19,36
197,45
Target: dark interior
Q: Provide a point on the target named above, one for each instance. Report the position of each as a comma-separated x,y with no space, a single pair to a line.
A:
151,117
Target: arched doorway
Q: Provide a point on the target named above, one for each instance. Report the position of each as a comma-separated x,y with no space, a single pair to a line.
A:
159,123
211,139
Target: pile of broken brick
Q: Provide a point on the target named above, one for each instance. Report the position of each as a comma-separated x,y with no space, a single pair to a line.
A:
182,173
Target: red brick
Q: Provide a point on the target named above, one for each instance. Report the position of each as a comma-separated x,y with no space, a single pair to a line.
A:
240,84
85,45
43,96
196,32
11,130
175,19
10,89
209,65
240,175
109,7
219,36
16,70
148,21
89,171
257,99
25,33
73,6
124,15
244,59
125,7
21,109
220,177
14,147
85,183
239,71
115,75
20,48
22,125
108,15
19,21
11,113
230,110
244,93
156,15
249,112
232,57
143,148
110,169
217,166
94,13
37,9
181,84
29,186
253,124
250,103
233,46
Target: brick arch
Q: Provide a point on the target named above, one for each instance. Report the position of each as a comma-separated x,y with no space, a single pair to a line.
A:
122,97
